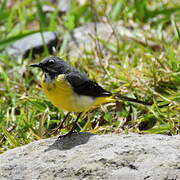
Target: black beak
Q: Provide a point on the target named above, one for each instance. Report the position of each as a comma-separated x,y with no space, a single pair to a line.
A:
36,65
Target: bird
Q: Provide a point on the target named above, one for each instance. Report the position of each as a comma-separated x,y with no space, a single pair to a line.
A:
71,90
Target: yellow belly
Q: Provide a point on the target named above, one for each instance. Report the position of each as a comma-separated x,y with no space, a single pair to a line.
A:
61,94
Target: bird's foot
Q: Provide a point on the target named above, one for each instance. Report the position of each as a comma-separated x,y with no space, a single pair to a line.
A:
66,135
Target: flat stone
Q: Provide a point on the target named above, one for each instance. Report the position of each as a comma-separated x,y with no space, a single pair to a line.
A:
84,38
22,48
63,5
88,156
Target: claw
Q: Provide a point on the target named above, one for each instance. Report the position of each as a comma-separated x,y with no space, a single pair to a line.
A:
66,135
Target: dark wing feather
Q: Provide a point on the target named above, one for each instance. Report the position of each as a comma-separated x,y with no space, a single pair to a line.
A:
84,86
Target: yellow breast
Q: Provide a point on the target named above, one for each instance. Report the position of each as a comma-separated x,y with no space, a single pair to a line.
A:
61,94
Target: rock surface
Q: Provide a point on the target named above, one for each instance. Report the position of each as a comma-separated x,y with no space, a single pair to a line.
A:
63,5
34,43
88,156
83,38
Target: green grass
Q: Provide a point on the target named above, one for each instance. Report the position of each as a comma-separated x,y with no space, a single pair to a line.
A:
131,68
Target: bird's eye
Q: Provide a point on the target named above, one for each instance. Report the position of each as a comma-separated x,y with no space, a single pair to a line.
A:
51,61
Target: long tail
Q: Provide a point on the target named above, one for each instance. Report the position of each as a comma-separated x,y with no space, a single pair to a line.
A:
125,98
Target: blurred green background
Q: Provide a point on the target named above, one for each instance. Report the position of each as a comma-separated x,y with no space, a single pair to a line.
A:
130,66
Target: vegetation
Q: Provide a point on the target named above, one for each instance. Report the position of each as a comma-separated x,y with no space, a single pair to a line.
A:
133,68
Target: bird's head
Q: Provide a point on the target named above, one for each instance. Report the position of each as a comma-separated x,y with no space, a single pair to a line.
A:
53,66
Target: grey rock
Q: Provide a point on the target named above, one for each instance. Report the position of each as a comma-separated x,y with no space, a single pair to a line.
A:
83,38
88,156
34,43
63,5
48,9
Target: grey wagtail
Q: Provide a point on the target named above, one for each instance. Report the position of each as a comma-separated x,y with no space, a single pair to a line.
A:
69,89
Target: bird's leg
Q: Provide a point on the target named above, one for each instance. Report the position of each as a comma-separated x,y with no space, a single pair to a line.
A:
60,124
73,127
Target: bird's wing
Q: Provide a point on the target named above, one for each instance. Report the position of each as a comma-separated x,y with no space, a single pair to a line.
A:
84,86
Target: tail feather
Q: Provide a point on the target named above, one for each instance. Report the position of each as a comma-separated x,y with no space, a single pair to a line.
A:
125,98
